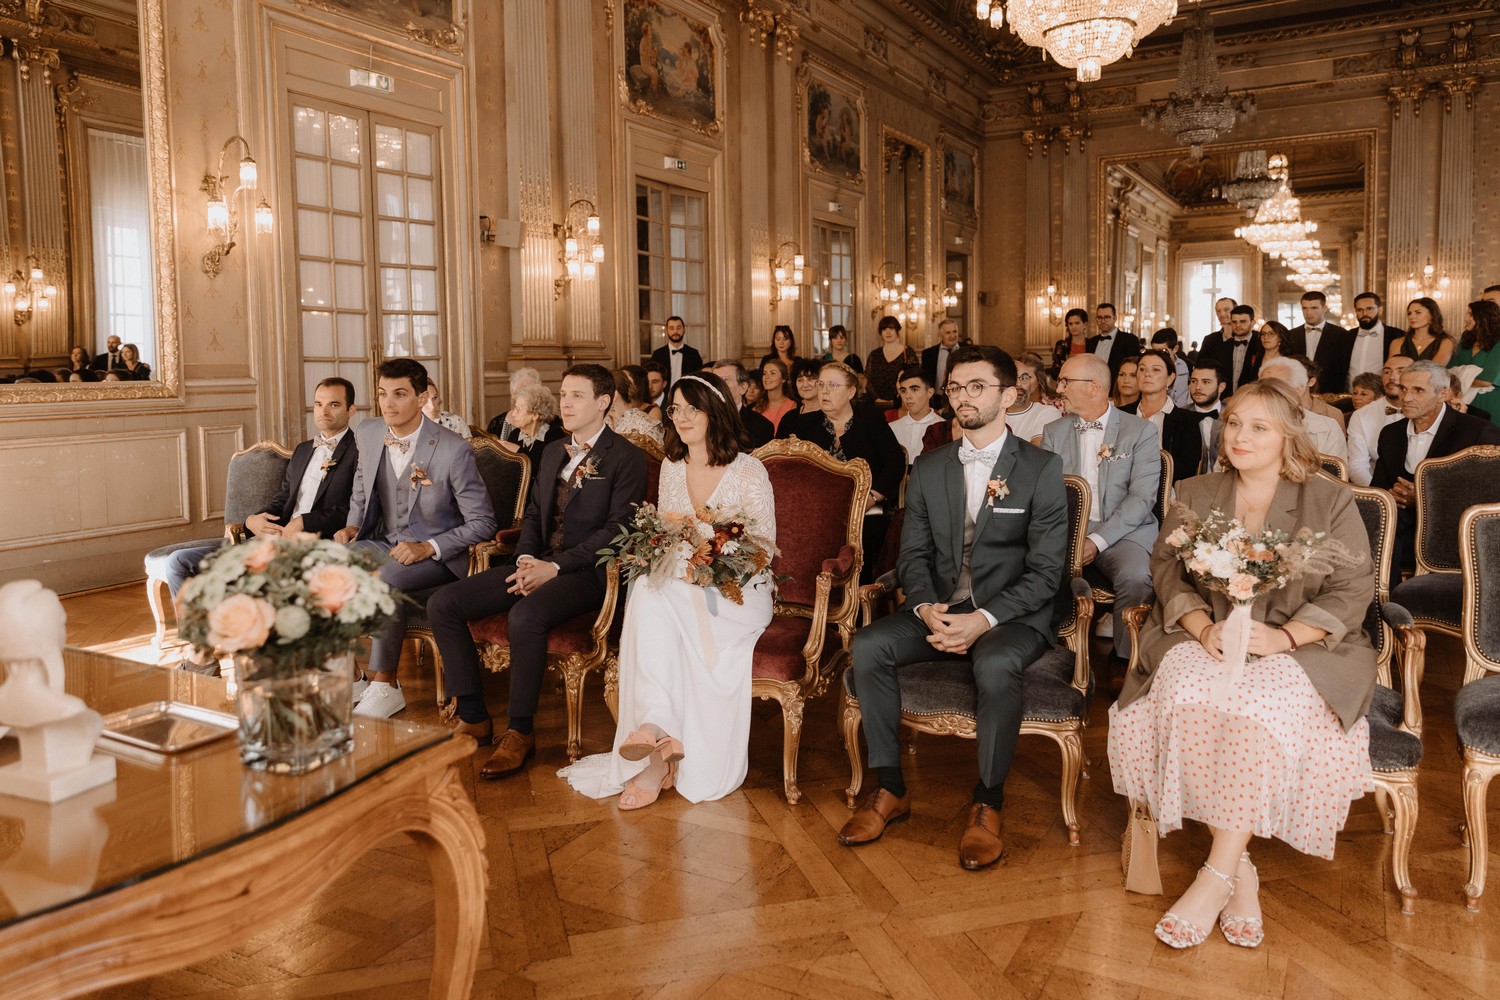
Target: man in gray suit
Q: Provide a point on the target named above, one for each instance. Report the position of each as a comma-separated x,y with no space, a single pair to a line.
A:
983,552
417,496
1118,454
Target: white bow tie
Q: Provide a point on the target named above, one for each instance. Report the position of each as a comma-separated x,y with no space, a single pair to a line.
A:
968,454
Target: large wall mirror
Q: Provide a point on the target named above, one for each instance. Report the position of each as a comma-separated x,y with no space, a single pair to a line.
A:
1165,224
85,241
906,171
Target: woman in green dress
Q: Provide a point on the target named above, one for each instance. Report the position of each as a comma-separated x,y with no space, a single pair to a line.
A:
1478,346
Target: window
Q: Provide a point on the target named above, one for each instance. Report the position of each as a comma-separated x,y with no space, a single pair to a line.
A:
1204,282
671,238
119,207
833,282
365,293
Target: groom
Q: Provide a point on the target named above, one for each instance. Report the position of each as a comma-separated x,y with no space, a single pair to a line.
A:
983,552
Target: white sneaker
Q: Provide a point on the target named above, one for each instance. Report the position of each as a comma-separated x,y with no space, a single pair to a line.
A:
1105,629
381,701
359,688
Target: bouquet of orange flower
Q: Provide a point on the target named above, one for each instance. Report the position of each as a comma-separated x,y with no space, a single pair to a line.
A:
709,548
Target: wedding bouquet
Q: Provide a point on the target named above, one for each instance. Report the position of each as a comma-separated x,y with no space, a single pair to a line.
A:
295,599
1224,556
709,548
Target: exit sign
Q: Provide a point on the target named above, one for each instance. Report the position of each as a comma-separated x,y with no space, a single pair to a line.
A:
672,163
370,80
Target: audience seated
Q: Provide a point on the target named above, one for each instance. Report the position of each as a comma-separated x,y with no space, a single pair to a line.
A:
532,421
916,391
630,411
1365,388
1031,411
433,408
501,426
1177,428
111,360
1366,423
1327,435
735,376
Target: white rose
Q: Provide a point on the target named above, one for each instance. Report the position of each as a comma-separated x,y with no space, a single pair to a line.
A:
292,622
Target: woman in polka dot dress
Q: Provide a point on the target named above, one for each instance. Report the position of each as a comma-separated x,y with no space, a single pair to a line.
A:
1285,751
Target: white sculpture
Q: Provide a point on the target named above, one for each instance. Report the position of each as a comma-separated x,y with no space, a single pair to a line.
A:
56,730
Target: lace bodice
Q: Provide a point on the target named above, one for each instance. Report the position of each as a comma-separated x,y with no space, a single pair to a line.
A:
745,489
633,421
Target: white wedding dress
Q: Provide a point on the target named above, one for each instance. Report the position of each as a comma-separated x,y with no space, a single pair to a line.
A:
685,655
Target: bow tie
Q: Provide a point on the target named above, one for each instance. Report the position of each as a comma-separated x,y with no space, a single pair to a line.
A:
676,350
574,450
1106,336
969,455
1210,413
324,442
1389,410
1367,333
1240,341
1090,425
392,441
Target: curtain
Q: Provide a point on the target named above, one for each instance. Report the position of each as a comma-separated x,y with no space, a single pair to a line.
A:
119,202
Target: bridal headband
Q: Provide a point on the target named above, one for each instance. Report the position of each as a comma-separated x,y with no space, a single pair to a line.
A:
711,387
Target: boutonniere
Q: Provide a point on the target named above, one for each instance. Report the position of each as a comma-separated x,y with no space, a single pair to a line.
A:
419,476
587,470
1107,454
328,463
996,489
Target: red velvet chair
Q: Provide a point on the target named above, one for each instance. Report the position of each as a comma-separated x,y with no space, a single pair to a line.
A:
578,646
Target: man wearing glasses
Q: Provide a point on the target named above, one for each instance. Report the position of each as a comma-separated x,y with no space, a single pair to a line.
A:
1118,454
983,551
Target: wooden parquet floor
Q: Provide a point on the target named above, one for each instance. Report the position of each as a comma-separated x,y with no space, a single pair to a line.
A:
748,897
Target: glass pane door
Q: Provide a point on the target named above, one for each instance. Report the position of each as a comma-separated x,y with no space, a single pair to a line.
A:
671,263
832,282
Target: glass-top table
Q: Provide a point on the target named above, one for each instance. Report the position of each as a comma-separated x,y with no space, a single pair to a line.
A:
173,820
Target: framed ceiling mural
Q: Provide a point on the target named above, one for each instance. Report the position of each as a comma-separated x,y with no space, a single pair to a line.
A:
671,61
833,125
439,23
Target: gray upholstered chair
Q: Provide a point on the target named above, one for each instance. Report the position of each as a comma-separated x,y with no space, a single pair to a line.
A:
253,480
1446,487
939,697
1335,467
1476,709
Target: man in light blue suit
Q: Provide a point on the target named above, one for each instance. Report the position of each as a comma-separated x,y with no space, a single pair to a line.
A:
417,496
1119,455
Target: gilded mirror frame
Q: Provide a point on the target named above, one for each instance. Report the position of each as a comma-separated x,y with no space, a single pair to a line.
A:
1367,137
158,158
890,139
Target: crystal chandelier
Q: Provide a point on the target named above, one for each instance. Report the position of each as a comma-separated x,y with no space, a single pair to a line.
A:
1201,108
1278,224
1254,179
1085,35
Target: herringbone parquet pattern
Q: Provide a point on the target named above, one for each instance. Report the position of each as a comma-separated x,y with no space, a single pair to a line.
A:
749,898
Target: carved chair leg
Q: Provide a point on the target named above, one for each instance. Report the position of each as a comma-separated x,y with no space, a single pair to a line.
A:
791,741
911,742
1071,745
573,677
154,587
1403,795
1477,777
437,670
612,685
1383,806
849,718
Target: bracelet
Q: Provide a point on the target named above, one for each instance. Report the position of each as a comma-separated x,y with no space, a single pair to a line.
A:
1283,630
1204,631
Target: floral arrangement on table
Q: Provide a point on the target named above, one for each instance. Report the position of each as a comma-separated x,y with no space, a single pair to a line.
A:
1225,556
709,548
294,599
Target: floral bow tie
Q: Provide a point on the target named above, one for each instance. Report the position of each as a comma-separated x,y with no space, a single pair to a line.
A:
1090,425
324,442
1392,409
574,450
392,441
969,455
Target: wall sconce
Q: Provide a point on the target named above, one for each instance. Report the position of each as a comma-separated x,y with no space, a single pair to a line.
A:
1052,303
786,273
898,294
581,250
223,211
28,289
1428,282
952,290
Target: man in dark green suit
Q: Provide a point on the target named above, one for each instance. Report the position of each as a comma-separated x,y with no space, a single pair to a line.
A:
983,552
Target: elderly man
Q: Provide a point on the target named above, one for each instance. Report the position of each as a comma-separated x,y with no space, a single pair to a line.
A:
1430,429
1118,455
1327,436
935,358
735,376
1366,423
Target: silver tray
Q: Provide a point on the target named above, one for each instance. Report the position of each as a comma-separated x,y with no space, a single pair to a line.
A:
168,726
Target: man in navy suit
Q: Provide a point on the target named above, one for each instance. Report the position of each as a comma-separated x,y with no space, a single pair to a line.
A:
587,487
1111,344
1327,343
676,358
418,497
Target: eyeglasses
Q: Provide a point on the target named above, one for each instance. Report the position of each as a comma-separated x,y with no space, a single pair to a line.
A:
1022,378
973,389
835,386
687,411
1064,382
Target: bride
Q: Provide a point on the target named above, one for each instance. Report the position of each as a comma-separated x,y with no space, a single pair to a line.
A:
684,712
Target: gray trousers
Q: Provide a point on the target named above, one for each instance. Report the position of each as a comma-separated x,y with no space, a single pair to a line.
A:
999,657
1126,569
385,645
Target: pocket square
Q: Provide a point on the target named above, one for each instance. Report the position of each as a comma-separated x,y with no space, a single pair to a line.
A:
1009,510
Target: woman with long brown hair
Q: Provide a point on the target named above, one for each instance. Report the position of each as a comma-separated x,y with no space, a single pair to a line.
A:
1478,347
1425,339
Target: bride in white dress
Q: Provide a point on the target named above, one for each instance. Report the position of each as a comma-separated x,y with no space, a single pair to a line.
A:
684,689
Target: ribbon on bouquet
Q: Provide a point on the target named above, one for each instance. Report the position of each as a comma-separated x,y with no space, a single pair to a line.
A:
1236,640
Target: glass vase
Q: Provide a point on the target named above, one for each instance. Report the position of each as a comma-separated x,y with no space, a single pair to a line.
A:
294,712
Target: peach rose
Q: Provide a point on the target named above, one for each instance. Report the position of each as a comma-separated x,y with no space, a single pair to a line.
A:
1242,587
241,622
331,587
260,555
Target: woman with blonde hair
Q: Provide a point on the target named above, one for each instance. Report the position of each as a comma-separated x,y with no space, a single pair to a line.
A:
1283,752
628,414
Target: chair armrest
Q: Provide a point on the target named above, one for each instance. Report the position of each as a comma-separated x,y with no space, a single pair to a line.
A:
1078,640
1411,648
884,587
1135,618
841,566
508,536
234,533
606,616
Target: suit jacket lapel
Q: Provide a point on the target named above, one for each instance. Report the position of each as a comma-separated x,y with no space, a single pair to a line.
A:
1004,465
340,454
1283,513
955,487
422,452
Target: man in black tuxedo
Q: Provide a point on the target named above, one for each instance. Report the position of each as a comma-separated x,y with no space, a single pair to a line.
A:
1373,339
676,358
1430,429
1111,344
1205,385
1327,343
587,487
1240,356
935,359
111,360
983,551
733,373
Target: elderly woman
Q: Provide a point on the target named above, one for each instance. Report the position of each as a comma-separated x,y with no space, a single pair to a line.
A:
501,426
532,417
1283,752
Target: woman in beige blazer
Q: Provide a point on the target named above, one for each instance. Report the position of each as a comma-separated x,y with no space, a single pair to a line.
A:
1284,752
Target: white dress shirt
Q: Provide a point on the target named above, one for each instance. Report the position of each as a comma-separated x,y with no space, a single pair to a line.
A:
1312,334
1206,431
1365,425
314,474
1027,425
1105,344
1239,351
1159,418
942,367
1418,444
909,432
675,354
1368,354
400,460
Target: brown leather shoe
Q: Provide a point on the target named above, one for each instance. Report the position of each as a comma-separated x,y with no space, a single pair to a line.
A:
483,732
511,751
982,845
879,810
